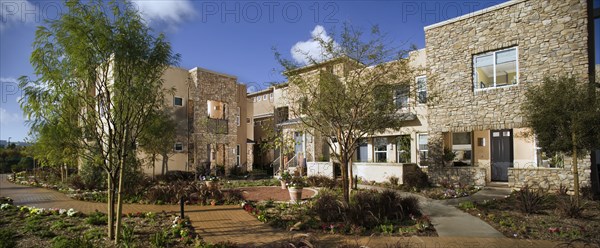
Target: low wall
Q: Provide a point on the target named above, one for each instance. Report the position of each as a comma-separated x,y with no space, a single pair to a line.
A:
549,178
319,169
467,175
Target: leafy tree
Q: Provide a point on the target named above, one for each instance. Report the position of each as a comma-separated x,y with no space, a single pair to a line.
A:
159,137
102,70
352,101
563,118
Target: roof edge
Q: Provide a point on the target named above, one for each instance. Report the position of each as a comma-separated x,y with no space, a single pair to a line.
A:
473,14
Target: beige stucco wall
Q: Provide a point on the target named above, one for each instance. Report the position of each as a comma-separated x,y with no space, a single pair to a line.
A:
523,148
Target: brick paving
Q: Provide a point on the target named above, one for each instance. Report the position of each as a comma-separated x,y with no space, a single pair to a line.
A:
231,223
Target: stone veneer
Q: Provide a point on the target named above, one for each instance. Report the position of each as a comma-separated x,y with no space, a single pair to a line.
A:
467,175
550,178
551,38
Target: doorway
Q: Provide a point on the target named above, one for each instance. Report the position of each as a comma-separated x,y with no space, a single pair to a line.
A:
502,154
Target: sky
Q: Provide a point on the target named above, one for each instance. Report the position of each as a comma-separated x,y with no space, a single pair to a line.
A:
233,37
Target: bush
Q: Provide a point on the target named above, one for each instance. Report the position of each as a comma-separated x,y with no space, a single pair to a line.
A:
172,176
394,180
321,181
328,206
93,177
529,200
362,210
76,182
416,180
160,239
410,206
97,219
233,196
7,238
566,206
77,242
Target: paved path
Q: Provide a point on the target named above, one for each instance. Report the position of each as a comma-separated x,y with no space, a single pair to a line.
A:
230,223
450,221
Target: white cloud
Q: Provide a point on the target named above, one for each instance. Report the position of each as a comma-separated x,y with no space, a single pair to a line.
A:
7,117
304,51
164,11
18,12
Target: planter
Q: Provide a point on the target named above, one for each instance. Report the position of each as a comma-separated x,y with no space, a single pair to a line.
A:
283,184
213,203
295,194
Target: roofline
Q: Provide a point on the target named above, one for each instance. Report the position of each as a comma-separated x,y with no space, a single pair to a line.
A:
213,72
473,14
270,89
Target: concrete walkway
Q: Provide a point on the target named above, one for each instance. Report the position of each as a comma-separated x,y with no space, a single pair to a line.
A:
231,223
450,221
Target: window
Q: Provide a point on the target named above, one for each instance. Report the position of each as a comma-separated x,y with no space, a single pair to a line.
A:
461,146
253,99
401,96
216,109
380,145
178,147
423,148
237,120
422,89
271,95
265,97
496,69
362,151
177,101
403,149
258,98
248,120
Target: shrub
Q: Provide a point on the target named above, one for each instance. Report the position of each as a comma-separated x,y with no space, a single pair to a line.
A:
328,206
566,206
160,239
410,206
77,242
96,219
321,181
416,180
394,180
93,176
7,238
233,196
530,200
76,182
362,210
172,176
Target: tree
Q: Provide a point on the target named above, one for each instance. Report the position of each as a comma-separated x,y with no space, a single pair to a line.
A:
563,118
159,137
352,95
102,70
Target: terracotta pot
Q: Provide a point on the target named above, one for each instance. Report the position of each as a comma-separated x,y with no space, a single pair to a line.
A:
295,194
283,184
213,203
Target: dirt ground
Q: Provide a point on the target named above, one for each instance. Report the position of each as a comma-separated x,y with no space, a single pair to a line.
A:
274,193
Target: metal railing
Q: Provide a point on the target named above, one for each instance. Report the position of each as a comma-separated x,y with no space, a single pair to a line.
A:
276,166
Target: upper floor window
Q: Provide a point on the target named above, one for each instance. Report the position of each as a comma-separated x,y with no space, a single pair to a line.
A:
265,97
271,95
401,94
216,109
177,101
422,89
496,69
178,147
258,98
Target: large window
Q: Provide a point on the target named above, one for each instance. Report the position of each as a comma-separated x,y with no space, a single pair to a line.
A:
401,94
216,109
422,89
496,69
422,140
403,149
362,151
380,146
461,146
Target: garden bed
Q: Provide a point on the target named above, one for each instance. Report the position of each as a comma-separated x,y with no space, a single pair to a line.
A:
22,226
272,193
547,220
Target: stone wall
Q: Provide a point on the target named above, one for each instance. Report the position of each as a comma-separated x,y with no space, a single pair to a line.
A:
551,39
475,176
550,178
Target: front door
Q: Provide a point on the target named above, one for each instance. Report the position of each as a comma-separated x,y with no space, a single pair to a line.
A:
502,154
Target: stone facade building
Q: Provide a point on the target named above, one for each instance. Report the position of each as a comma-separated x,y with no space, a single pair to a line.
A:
479,67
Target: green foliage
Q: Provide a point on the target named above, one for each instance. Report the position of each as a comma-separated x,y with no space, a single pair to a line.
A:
559,108
394,180
328,206
568,207
7,238
97,219
468,205
77,242
321,181
127,236
416,180
530,200
160,239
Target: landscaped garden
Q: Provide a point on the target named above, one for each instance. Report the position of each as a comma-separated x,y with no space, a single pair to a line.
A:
538,214
25,226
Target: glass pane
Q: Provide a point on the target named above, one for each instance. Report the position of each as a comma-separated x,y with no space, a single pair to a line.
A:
484,71
401,96
380,157
403,149
422,142
422,90
506,56
596,4
380,144
461,138
506,67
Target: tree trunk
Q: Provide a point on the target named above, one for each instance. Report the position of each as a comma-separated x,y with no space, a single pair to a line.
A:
62,174
66,173
121,169
153,164
350,173
345,180
165,163
575,170
111,206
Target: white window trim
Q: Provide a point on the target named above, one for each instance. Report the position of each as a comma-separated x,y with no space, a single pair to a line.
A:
476,89
408,100
271,96
258,98
237,120
264,97
417,86
418,146
175,97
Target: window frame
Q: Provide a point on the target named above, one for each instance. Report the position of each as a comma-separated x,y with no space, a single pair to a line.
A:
178,144
419,150
405,95
271,96
175,101
264,97
376,151
475,83
419,90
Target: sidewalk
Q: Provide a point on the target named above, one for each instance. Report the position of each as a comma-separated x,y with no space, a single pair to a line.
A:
231,223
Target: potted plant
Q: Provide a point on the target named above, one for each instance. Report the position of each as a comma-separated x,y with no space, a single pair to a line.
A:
295,189
212,181
448,156
213,202
285,179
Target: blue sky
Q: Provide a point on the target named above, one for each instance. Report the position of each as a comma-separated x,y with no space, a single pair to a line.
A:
233,37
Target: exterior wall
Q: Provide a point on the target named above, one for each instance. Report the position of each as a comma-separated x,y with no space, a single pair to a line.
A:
524,148
550,178
262,107
551,39
242,132
476,176
319,169
207,85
